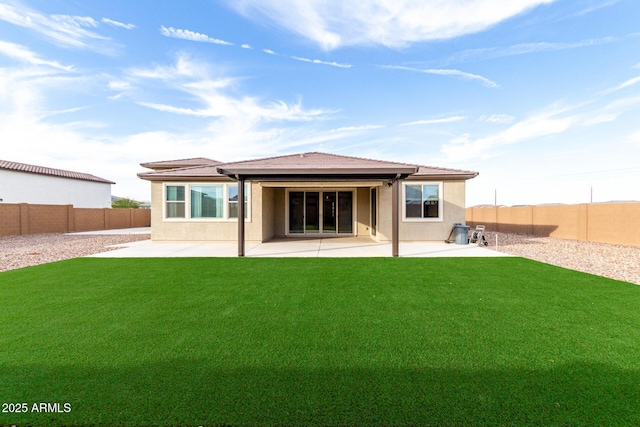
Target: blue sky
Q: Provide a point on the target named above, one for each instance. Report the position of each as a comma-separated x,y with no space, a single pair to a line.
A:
542,97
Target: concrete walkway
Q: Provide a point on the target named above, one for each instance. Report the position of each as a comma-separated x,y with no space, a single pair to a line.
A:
293,247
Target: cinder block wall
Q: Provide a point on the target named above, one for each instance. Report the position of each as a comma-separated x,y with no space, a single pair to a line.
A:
616,223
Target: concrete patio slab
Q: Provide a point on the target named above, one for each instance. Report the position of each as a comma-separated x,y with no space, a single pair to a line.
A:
138,230
284,248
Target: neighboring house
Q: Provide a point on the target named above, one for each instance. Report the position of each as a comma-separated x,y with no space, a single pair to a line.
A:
304,195
23,183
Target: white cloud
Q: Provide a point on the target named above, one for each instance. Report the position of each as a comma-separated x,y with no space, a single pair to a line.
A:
634,138
118,24
623,85
268,51
497,118
335,23
317,61
593,8
64,30
525,48
444,72
601,118
233,126
22,53
547,123
246,46
214,96
435,121
191,35
357,128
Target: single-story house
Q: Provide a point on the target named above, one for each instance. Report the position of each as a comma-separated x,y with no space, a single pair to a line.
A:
24,183
304,195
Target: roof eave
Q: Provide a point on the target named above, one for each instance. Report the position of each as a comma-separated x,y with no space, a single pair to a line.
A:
152,177
446,176
282,172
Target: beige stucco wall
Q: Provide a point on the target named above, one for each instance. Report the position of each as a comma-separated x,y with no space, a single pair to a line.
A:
363,217
453,212
184,230
268,208
279,212
268,212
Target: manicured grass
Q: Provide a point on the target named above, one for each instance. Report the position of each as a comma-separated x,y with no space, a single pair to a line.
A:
349,342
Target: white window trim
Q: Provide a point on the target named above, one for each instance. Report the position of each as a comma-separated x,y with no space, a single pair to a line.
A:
187,201
440,185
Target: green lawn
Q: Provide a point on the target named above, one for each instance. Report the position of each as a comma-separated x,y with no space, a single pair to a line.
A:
303,342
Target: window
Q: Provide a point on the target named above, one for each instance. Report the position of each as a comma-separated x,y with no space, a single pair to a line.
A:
233,201
175,201
423,201
205,202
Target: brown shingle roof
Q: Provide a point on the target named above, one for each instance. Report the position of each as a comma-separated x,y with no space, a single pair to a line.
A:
41,170
180,163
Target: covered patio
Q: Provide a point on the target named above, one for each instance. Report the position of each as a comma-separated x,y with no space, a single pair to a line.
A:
337,247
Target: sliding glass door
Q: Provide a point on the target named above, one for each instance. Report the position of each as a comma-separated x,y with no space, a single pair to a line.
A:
321,212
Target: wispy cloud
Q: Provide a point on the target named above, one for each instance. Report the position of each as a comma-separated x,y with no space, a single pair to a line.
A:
22,53
445,72
595,7
317,61
525,48
191,35
118,24
497,118
214,96
246,46
357,128
64,30
555,120
335,23
268,51
630,82
435,121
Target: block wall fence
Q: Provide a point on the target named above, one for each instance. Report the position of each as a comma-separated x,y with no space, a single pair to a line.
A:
25,218
616,223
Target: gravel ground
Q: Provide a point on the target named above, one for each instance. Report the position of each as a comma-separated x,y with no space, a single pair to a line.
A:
33,249
613,261
602,259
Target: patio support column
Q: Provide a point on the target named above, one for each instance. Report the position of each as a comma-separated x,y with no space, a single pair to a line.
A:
240,216
394,217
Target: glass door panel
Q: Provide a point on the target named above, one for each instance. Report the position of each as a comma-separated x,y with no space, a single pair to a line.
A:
296,212
312,219
329,212
345,212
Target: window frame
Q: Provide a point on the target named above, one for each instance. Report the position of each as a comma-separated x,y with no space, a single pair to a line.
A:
187,191
440,217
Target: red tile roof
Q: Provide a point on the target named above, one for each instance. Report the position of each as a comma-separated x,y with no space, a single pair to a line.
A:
41,170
